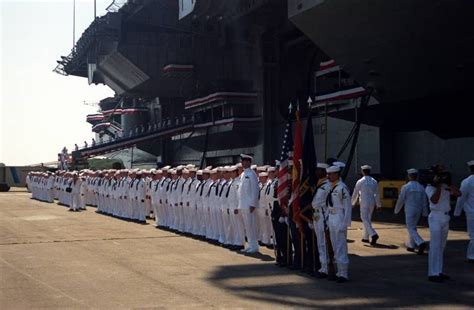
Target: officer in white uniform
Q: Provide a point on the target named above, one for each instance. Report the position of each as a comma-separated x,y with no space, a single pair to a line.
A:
148,178
366,190
75,193
189,192
212,198
164,184
338,202
132,207
438,193
466,202
264,220
140,194
320,217
237,232
50,188
155,195
248,203
172,198
201,202
182,200
413,196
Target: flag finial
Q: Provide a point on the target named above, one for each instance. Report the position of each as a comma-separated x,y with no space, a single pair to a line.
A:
309,101
290,107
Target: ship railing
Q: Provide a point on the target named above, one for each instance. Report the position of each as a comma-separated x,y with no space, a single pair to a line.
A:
140,131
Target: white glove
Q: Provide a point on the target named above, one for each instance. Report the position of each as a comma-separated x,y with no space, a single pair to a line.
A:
281,220
310,226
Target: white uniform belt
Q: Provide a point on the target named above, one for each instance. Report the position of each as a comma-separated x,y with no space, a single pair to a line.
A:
440,212
334,210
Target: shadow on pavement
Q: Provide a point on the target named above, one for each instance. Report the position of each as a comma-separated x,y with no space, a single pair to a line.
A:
375,282
258,255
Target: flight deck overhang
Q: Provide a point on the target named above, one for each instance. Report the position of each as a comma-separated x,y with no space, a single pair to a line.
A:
404,49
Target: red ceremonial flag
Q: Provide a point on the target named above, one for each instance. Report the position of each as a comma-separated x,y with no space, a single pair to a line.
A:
296,172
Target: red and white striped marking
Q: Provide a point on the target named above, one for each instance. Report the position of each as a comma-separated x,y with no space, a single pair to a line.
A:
327,64
342,94
95,117
327,67
134,110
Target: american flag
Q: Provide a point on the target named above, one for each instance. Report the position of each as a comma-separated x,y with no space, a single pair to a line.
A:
284,173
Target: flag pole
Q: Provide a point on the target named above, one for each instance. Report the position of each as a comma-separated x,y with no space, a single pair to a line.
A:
288,238
326,131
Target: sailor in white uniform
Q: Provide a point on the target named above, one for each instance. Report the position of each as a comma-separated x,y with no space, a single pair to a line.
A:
320,217
366,191
466,202
413,196
439,193
248,203
338,203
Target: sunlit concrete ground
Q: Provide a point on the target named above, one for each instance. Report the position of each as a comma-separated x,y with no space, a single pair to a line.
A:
51,258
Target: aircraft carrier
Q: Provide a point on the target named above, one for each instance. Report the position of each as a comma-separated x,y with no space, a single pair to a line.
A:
201,81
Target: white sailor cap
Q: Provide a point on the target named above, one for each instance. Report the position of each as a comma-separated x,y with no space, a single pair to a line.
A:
366,167
470,163
214,171
220,169
239,165
253,167
159,171
207,171
263,174
166,168
209,167
322,166
180,167
232,168
199,172
271,169
339,164
192,169
261,168
333,169
245,156
185,171
412,171
189,166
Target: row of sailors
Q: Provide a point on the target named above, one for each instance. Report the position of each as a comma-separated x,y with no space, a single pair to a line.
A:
66,187
203,203
209,203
